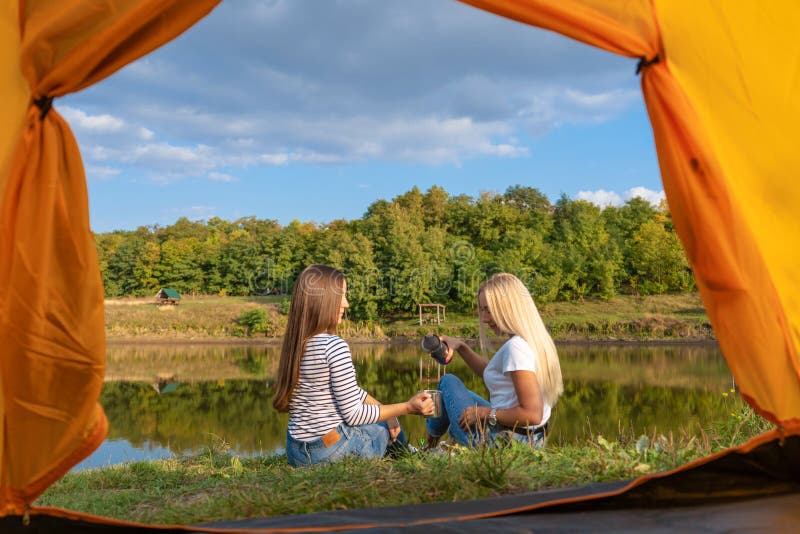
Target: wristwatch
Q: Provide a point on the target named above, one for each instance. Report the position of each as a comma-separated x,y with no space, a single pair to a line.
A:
493,417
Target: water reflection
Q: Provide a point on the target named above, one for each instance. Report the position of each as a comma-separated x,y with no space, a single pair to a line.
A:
177,399
117,451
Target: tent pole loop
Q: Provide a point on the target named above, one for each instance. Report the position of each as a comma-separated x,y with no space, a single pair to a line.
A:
644,62
44,103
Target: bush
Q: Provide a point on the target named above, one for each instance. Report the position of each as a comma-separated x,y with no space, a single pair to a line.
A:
256,320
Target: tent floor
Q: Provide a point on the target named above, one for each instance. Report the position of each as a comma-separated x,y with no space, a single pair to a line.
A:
767,514
774,514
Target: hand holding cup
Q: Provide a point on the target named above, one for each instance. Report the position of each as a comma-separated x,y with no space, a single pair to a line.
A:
421,404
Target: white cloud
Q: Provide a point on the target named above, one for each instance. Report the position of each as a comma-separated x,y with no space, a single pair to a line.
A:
94,172
167,152
318,141
653,197
100,153
601,197
322,90
221,177
604,198
273,159
510,151
242,142
553,105
614,99
103,123
171,160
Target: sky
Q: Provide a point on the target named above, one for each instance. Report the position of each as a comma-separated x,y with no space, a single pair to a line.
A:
314,109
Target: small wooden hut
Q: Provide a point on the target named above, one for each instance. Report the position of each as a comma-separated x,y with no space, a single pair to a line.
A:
166,295
440,317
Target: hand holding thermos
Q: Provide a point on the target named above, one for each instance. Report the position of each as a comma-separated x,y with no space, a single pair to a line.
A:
437,348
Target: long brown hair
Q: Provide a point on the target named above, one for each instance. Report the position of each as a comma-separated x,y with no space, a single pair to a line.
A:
316,299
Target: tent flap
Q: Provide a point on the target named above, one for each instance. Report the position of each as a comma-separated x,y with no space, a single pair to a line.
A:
724,110
52,326
625,27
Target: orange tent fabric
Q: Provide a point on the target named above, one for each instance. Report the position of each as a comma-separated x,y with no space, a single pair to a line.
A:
51,296
723,102
720,87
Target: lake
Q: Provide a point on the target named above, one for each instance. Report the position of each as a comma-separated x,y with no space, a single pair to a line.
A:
172,399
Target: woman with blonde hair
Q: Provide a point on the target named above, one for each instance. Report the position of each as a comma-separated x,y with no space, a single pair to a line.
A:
523,377
330,416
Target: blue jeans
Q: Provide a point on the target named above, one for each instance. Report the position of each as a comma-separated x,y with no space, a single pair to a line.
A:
455,399
365,441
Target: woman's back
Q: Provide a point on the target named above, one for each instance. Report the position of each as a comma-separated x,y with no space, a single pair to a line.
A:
327,392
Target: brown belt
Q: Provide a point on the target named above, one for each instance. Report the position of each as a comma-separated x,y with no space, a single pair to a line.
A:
524,431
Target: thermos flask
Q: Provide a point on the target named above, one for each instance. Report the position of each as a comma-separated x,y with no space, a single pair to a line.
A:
438,350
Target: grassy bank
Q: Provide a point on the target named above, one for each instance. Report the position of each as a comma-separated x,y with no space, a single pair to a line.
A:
658,317
216,485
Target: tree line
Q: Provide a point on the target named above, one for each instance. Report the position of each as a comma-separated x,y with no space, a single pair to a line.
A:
417,247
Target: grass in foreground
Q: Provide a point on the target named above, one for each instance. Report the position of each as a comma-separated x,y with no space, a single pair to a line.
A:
215,485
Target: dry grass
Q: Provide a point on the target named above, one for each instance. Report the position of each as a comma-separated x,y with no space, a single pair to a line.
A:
193,318
214,317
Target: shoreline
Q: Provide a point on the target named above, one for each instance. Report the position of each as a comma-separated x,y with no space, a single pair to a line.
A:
399,340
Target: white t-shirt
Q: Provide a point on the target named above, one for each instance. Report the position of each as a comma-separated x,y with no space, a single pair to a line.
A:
514,355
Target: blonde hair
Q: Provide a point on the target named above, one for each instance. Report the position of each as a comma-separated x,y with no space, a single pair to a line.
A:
514,312
316,300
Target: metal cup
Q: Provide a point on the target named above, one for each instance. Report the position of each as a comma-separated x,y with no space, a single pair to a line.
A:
436,395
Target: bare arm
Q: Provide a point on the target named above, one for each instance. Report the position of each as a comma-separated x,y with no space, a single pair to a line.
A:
392,422
475,361
529,411
419,404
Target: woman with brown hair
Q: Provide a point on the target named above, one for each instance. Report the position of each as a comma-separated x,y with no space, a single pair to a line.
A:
330,416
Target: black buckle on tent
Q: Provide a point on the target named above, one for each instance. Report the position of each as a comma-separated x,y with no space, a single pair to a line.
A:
644,62
44,103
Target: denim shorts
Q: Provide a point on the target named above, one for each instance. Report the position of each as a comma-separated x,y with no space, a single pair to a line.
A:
364,441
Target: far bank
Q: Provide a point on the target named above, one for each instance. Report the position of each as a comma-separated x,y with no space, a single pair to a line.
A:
216,319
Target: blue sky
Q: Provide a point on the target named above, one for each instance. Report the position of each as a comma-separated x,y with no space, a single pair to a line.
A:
312,110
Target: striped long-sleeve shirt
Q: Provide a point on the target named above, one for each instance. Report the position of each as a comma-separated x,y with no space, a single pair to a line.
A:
327,392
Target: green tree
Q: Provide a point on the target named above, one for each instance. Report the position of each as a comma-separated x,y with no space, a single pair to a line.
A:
658,261
132,268
107,245
351,252
415,248
179,267
434,207
239,263
588,258
622,223
532,204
